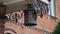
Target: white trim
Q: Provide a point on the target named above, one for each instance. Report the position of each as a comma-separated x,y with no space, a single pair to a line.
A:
13,2
46,1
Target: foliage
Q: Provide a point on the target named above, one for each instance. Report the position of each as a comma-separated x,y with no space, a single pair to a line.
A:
57,28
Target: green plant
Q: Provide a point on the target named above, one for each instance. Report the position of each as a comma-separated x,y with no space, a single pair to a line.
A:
57,28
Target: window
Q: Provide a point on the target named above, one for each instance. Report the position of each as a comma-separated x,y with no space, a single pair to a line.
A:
51,8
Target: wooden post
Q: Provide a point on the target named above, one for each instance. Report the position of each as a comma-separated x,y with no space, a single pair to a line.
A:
2,18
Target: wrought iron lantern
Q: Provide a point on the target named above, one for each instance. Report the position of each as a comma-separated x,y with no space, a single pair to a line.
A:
30,16
34,9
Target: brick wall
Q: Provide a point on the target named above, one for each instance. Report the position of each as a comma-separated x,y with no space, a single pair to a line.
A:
45,24
57,4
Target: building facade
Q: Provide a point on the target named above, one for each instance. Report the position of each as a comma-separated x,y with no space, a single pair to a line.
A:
46,25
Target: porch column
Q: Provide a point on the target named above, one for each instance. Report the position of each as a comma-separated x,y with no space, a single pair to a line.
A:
2,17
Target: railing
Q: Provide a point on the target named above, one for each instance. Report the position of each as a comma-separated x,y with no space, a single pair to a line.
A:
20,17
15,16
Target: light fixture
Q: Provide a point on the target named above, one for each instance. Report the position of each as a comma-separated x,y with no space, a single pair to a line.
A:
34,9
30,16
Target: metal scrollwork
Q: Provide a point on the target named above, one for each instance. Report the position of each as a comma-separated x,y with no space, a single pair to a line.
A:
43,8
15,16
40,7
